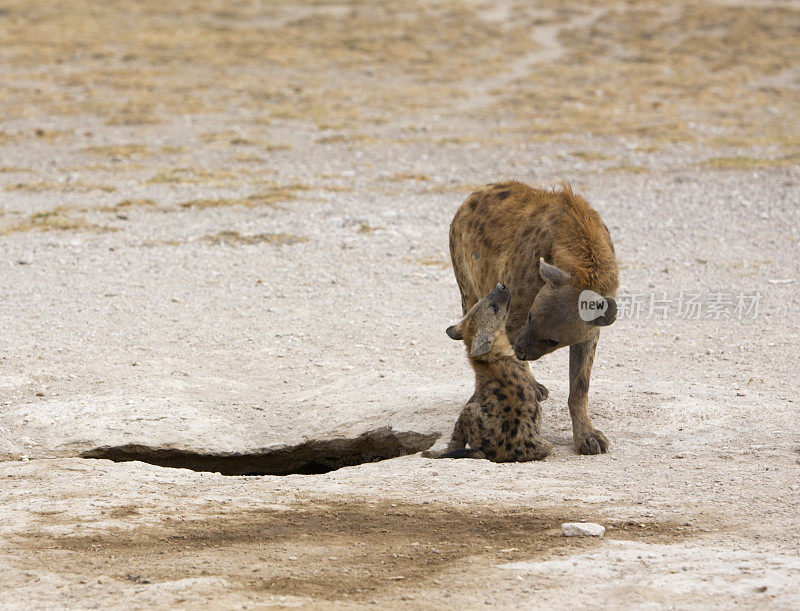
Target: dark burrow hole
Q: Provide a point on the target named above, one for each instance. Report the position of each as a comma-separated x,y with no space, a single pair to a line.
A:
308,458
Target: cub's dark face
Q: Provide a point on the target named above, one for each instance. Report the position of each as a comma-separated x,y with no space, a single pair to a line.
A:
484,322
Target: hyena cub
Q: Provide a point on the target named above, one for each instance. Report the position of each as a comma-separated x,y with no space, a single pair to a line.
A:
502,419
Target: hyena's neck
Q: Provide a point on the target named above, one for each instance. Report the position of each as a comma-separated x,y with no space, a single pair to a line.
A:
502,371
498,364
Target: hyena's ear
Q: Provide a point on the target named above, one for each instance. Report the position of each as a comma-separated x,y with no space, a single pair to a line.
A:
609,316
551,274
482,343
455,331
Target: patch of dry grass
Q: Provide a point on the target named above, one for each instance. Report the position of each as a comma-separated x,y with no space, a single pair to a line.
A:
248,158
56,219
745,162
787,141
123,151
628,168
227,137
135,203
52,134
365,227
403,176
38,133
651,147
258,155
275,239
268,197
129,204
199,176
591,155
41,186
275,147
347,139
335,189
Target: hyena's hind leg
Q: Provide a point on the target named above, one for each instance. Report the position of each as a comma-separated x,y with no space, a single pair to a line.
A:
459,439
536,448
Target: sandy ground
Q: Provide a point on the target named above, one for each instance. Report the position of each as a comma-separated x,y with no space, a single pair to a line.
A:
224,229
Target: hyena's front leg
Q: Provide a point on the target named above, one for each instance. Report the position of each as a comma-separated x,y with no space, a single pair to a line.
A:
464,432
587,439
460,436
458,440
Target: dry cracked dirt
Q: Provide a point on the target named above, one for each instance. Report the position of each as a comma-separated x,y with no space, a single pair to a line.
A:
225,284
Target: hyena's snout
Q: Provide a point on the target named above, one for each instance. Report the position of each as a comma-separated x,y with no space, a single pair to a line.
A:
527,348
501,294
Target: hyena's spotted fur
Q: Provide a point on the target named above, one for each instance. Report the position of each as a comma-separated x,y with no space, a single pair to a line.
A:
547,246
502,420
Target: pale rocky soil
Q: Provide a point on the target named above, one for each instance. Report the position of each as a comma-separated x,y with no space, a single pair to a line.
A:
224,229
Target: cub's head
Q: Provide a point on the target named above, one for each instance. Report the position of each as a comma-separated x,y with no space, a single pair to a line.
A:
483,329
562,314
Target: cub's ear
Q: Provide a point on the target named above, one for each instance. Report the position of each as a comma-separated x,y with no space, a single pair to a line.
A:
455,332
609,316
482,343
551,274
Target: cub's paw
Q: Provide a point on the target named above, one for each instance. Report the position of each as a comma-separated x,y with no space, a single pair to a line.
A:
541,392
593,442
537,448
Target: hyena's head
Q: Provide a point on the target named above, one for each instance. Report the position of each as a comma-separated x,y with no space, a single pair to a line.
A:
483,329
562,314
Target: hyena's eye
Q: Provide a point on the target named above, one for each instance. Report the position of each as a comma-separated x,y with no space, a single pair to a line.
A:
494,308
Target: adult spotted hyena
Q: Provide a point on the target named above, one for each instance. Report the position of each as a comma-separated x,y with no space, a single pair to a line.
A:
550,247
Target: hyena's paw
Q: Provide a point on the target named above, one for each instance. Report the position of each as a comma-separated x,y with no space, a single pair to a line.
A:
541,392
593,442
537,448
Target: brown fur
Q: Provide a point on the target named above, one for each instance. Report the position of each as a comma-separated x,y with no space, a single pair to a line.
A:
507,226
502,420
500,234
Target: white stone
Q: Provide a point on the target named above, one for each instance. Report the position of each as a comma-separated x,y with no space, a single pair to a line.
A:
582,529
